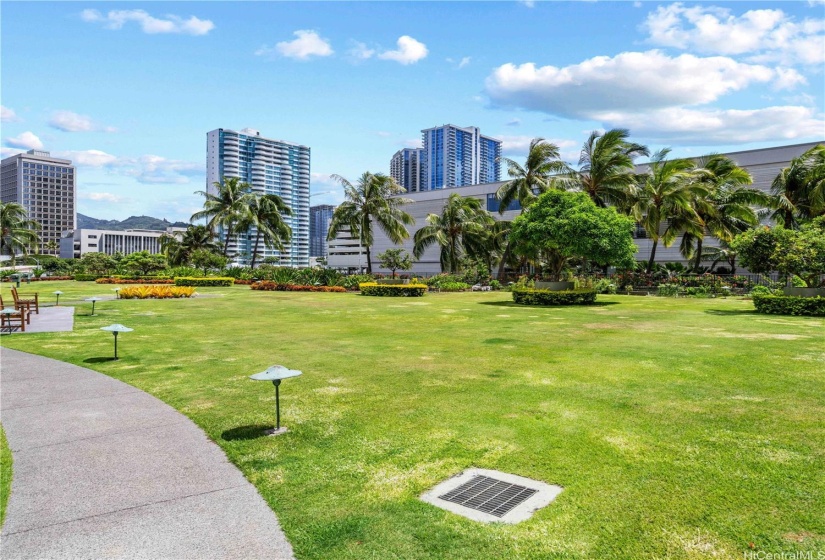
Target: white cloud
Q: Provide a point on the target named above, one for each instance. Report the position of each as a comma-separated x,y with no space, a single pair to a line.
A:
100,196
360,51
68,121
528,3
8,152
8,115
89,158
464,62
306,44
518,146
158,169
765,35
384,134
25,141
116,19
720,126
630,81
409,51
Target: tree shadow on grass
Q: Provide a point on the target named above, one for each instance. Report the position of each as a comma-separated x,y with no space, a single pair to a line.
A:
99,360
253,431
523,306
729,312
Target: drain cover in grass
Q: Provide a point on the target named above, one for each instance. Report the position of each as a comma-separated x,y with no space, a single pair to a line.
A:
491,496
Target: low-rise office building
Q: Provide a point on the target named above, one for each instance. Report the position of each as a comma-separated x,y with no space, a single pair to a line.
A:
76,243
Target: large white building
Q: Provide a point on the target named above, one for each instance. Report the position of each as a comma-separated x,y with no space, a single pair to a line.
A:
45,187
269,167
75,244
763,164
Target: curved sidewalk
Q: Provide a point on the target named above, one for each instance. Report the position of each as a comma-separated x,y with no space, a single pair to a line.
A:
104,470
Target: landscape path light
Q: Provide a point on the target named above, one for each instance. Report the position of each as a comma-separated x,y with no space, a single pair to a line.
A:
93,300
58,293
115,329
276,374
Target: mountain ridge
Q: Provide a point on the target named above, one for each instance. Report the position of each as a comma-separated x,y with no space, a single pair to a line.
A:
132,222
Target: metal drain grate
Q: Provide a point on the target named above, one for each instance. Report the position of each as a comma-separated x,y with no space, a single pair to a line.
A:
489,495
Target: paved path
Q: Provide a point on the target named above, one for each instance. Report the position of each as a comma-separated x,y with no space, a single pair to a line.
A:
104,470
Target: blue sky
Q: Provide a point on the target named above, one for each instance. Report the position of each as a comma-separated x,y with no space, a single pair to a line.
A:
129,90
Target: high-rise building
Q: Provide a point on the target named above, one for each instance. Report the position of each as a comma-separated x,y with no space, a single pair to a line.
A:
319,218
45,187
269,167
405,168
457,157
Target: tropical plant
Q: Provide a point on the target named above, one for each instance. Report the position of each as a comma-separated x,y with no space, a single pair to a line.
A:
462,228
97,263
373,197
205,260
17,231
179,250
666,196
266,214
144,262
798,192
225,208
395,259
564,225
606,170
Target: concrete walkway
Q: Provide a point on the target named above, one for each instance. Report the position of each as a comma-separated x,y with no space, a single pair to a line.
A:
104,470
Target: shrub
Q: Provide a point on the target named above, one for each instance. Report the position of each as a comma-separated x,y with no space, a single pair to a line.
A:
212,281
138,280
495,284
761,291
392,290
667,290
268,286
453,286
86,277
156,292
353,281
604,286
698,291
532,296
789,305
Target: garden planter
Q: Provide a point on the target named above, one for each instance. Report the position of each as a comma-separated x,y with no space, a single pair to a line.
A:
804,292
556,286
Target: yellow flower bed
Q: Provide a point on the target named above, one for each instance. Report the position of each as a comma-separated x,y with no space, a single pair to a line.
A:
156,292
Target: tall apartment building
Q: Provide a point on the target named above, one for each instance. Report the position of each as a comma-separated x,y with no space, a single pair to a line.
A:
319,218
458,157
269,167
45,187
405,168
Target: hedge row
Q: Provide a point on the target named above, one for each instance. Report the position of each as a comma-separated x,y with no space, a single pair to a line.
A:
86,277
392,290
789,305
199,282
138,280
531,296
268,286
41,279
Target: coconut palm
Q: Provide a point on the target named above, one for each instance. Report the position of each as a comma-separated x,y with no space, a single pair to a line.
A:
461,229
667,195
266,214
17,231
798,192
606,170
534,178
179,250
225,208
373,197
728,207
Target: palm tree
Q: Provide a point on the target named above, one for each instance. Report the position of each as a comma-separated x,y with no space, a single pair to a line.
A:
536,177
179,250
17,231
667,195
266,214
606,169
799,189
226,207
372,198
728,207
461,229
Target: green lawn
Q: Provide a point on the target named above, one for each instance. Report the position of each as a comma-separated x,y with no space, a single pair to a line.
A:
5,474
679,428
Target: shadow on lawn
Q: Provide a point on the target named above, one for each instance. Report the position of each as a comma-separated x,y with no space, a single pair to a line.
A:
522,306
99,360
253,431
725,312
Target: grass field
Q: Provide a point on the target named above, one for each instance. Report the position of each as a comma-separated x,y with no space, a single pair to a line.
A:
678,428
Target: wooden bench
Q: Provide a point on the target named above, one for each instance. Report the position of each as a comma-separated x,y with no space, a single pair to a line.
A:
19,302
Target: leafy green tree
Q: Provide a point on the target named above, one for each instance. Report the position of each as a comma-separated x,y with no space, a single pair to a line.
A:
565,225
606,169
373,197
395,259
266,214
178,250
98,263
207,260
462,228
798,192
17,231
225,208
144,262
667,196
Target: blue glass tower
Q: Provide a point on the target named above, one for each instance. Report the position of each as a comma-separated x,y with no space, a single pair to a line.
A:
456,157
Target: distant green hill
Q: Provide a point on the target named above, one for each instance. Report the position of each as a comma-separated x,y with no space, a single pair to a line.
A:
132,222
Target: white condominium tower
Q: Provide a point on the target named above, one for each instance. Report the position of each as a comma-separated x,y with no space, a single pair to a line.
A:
269,167
457,157
45,187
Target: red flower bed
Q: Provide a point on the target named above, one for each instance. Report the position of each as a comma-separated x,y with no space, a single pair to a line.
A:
281,287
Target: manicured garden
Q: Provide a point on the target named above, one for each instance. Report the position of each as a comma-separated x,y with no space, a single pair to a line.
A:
678,427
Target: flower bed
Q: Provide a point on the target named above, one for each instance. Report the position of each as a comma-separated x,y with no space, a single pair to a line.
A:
268,286
155,292
531,296
138,280
789,305
198,282
403,290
